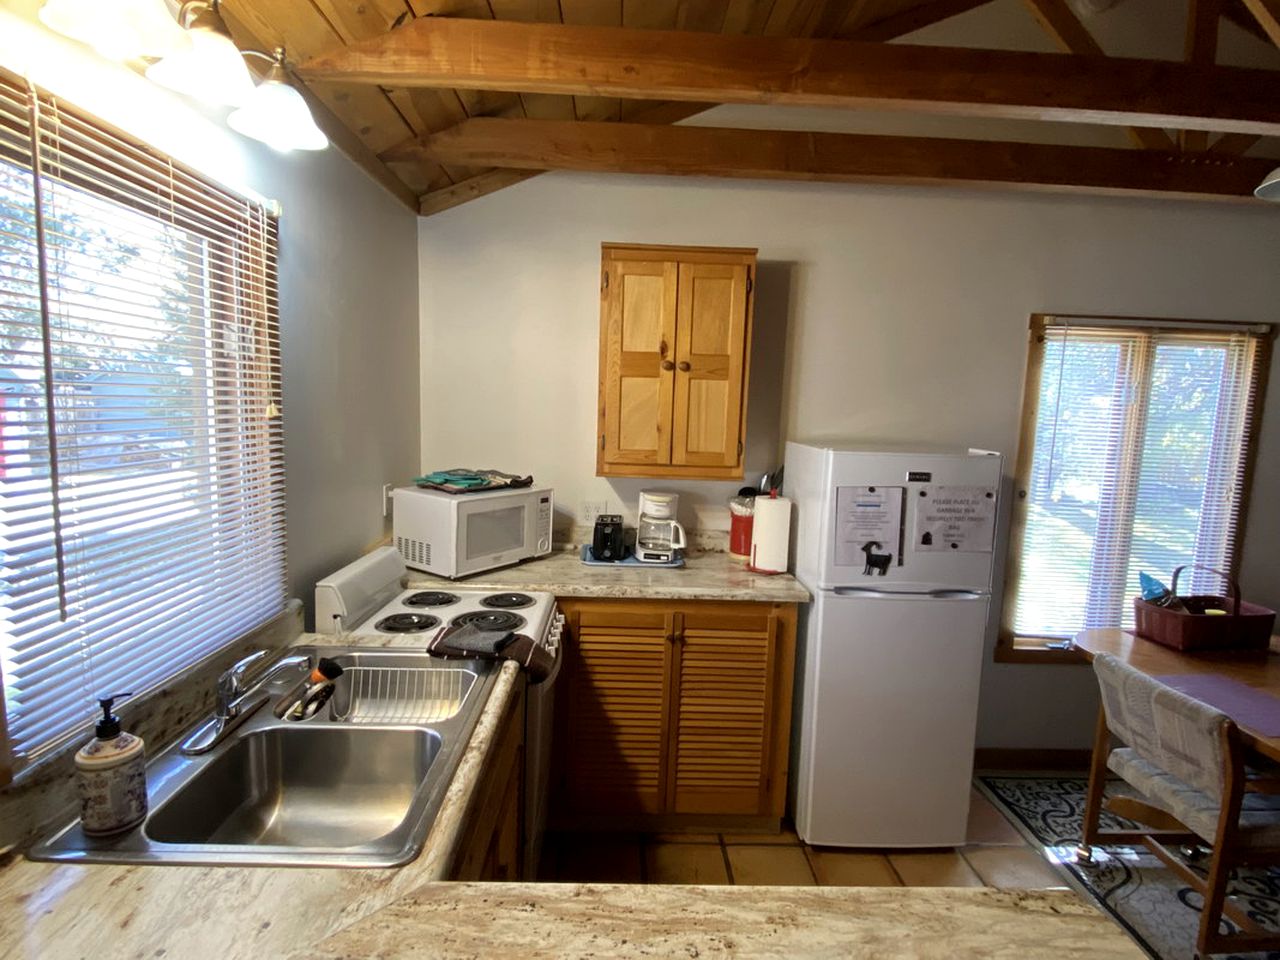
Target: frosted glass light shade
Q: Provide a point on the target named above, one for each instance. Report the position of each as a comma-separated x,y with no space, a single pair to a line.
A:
1269,188
211,70
117,29
277,115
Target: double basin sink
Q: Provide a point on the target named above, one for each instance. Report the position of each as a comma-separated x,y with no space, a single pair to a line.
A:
357,784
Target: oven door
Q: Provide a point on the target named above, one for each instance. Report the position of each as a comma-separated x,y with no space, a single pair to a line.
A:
494,532
539,712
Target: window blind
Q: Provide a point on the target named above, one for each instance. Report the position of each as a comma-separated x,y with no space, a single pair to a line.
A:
1139,435
141,454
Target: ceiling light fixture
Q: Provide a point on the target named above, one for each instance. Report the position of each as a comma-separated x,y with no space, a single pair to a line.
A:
211,69
277,114
117,29
1269,188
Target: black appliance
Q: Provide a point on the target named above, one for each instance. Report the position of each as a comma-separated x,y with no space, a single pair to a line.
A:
607,543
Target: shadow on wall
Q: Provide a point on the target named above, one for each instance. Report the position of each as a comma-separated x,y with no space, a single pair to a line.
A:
703,503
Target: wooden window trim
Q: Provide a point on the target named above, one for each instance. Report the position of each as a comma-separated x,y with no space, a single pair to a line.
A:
1011,647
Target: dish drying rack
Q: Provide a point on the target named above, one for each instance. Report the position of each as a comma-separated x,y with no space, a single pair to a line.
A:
399,695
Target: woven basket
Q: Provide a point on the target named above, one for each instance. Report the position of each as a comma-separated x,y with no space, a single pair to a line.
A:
1245,626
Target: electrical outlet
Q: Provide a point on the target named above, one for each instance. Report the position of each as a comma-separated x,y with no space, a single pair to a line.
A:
590,509
386,500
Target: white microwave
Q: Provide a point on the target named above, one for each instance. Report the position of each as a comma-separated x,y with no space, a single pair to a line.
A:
454,535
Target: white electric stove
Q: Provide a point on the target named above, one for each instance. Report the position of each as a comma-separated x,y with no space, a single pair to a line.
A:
368,597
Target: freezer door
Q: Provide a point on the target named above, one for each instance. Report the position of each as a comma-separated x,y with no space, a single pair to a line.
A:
917,522
888,711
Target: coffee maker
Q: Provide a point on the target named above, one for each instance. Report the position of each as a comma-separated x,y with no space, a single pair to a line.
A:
659,536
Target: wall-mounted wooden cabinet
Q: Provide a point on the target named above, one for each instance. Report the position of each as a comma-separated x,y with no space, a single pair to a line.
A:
675,336
676,709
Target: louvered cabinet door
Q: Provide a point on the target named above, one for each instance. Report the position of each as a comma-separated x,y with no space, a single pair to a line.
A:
724,713
616,722
711,338
637,338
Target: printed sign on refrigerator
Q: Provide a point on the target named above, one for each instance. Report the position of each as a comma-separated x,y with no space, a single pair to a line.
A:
955,518
868,526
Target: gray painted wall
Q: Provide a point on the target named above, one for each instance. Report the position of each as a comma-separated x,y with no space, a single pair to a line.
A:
884,313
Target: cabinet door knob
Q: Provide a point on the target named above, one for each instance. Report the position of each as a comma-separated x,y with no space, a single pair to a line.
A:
684,365
668,365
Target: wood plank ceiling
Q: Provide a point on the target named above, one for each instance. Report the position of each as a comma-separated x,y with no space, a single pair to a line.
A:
412,132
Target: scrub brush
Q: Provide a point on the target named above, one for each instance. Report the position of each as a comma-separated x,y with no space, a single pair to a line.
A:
316,690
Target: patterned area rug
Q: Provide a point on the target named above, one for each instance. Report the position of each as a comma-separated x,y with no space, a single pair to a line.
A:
1160,912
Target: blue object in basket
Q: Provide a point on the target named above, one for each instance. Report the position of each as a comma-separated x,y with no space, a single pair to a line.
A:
589,559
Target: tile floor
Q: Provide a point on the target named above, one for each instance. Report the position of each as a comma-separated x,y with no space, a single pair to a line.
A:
996,855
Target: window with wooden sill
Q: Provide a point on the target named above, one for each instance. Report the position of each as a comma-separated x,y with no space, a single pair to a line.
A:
1135,455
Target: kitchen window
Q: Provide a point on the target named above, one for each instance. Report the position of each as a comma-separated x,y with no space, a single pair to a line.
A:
141,455
1135,455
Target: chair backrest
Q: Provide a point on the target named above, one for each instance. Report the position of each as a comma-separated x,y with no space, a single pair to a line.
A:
1180,735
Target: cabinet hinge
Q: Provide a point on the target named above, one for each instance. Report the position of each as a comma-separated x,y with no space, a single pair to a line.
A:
739,448
605,285
602,441
750,284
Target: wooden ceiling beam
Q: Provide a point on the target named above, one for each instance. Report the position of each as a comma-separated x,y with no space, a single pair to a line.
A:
796,155
710,16
1072,36
675,65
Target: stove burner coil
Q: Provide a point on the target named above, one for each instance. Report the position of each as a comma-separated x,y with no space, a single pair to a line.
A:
507,601
430,598
499,620
406,623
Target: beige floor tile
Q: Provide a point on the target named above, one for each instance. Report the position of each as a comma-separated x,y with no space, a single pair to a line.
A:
841,868
596,858
934,868
1020,868
987,825
685,863
788,835
769,865
683,838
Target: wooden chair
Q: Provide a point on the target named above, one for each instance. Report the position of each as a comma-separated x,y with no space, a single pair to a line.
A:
1185,759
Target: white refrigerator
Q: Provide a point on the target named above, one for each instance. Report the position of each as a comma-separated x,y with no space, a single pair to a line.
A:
896,546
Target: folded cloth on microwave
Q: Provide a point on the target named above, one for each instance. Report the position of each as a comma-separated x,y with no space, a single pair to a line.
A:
469,642
467,480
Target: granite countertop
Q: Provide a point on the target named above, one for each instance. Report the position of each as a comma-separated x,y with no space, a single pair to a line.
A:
705,576
864,923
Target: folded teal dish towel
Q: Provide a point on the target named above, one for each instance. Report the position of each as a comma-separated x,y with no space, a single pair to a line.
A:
465,480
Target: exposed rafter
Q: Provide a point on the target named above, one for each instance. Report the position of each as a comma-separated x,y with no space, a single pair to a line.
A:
792,155
674,65
1267,14
1061,23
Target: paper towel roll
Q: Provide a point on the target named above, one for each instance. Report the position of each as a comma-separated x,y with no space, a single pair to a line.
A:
771,534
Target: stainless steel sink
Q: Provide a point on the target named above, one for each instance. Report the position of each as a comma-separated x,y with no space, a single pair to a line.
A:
356,785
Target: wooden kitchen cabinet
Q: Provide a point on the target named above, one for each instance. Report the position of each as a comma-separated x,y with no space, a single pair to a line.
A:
675,337
676,713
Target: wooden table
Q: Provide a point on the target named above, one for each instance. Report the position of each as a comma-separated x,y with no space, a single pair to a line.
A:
1254,668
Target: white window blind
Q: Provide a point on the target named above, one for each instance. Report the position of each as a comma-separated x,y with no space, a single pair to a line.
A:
1139,435
141,463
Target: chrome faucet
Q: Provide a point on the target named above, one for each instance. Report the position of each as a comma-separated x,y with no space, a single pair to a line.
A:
232,706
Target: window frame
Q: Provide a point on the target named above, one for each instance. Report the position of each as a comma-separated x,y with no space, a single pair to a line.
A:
239,279
1011,647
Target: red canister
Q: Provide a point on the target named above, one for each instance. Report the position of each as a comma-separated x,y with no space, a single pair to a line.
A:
741,517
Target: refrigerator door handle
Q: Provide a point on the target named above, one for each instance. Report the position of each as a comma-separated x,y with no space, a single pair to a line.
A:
924,594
